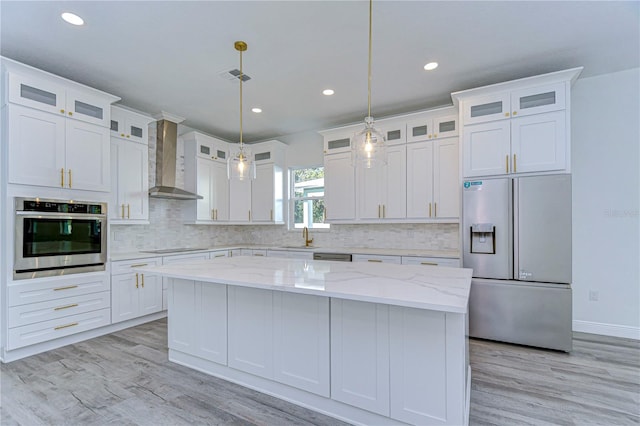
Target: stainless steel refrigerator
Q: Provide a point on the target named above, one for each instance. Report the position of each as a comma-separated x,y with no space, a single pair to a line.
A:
517,240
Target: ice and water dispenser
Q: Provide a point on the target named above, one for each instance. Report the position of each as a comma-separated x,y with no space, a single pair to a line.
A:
482,238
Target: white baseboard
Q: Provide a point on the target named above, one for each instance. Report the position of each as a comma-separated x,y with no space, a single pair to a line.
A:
613,330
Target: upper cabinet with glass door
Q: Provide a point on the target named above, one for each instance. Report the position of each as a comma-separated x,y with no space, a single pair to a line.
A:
129,125
435,124
56,96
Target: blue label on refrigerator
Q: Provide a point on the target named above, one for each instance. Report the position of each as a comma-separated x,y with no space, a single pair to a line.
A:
472,185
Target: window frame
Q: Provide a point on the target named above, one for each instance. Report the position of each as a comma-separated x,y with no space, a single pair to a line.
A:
292,198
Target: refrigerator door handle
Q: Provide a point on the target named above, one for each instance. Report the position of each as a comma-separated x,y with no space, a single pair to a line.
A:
516,227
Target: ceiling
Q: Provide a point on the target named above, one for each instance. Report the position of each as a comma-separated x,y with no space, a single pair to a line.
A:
167,56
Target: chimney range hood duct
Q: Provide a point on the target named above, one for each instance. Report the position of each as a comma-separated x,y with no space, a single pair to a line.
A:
166,147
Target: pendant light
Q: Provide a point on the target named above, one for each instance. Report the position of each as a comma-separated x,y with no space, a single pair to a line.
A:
240,164
368,145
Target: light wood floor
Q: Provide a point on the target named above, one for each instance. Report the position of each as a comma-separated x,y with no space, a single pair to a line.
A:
125,379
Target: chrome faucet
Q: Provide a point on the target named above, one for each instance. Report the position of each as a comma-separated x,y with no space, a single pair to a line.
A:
305,234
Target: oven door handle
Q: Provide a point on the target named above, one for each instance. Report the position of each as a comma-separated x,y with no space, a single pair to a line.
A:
55,215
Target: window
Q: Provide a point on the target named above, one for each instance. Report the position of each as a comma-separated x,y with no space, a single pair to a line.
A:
306,207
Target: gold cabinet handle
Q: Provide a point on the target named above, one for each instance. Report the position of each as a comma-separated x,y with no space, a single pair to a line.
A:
506,164
122,215
435,209
429,136
128,211
69,178
137,285
62,178
514,164
429,263
60,327
69,287
374,260
506,114
384,213
219,255
258,254
70,113
514,112
429,209
212,217
325,214
378,211
138,265
128,136
216,214
61,111
271,215
142,280
59,308
122,135
249,215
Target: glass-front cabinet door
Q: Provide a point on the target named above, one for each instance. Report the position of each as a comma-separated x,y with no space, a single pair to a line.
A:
38,94
84,107
536,100
445,127
419,129
487,108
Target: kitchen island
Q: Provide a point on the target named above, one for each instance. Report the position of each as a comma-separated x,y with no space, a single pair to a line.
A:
364,342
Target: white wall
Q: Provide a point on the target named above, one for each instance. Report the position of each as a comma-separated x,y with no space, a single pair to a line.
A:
606,220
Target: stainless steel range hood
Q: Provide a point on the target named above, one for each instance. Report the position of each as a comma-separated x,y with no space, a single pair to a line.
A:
166,147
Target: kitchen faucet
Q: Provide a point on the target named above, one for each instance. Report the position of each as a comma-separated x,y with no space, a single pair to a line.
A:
305,234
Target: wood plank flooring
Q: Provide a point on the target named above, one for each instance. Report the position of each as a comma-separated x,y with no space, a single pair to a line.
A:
125,379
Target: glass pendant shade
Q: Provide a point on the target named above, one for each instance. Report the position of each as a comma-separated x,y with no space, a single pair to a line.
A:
240,164
368,147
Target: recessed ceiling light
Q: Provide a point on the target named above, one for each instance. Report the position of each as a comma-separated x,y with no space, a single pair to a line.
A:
431,66
256,110
72,18
328,92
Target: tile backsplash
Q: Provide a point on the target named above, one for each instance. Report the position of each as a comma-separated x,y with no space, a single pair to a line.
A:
167,230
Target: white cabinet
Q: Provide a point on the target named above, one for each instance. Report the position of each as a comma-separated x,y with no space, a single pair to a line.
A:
48,150
291,254
431,261
198,324
360,354
218,253
250,322
129,167
432,179
339,186
381,191
239,200
301,341
60,98
168,260
129,125
521,126
267,194
134,294
206,175
430,125
49,308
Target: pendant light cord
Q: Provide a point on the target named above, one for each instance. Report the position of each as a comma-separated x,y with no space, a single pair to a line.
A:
241,78
369,78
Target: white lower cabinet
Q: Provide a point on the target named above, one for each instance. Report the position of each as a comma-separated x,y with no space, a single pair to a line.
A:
431,261
360,354
49,308
134,294
198,325
421,343
376,258
167,260
301,341
250,325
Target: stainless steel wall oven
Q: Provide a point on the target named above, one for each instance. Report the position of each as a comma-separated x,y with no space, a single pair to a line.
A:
59,237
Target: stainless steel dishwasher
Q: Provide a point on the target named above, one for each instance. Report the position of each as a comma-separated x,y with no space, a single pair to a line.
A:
337,257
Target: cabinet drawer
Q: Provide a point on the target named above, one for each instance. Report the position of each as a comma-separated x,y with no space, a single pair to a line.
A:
59,308
376,258
430,261
54,329
259,252
126,266
184,258
45,289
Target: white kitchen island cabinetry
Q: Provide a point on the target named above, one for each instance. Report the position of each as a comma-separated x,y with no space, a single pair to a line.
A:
364,347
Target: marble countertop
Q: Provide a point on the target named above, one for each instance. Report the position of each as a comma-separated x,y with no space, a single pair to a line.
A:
452,254
425,287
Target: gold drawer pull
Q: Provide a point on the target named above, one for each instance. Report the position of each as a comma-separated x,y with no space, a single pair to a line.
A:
514,164
59,308
62,178
122,215
69,178
138,265
429,263
374,260
506,164
137,285
65,288
60,327
142,280
258,254
222,255
128,211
